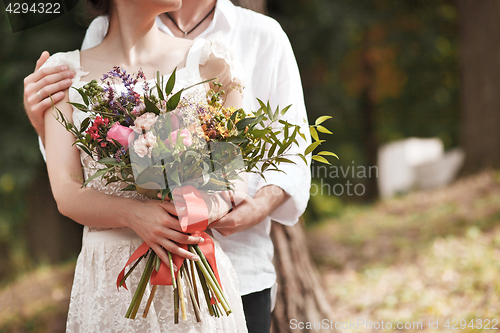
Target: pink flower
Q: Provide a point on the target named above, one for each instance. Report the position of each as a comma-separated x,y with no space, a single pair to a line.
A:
144,122
120,133
174,122
144,144
185,135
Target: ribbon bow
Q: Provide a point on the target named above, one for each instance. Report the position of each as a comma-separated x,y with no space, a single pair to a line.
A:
193,219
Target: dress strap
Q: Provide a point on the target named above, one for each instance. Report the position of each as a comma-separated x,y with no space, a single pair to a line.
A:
193,58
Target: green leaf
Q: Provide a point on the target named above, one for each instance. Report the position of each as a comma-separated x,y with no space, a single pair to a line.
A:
323,129
85,124
312,146
262,105
321,119
85,150
314,134
238,140
285,146
99,173
259,132
243,123
83,94
129,188
272,149
164,193
174,100
285,109
110,161
320,159
160,93
150,106
303,158
175,177
328,153
284,160
276,113
80,107
170,82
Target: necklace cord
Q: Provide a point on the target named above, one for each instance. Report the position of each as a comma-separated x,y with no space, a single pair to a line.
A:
196,26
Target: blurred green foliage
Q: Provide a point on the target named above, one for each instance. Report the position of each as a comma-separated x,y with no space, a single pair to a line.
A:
412,48
20,159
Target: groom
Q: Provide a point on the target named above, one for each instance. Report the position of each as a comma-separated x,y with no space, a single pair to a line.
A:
269,72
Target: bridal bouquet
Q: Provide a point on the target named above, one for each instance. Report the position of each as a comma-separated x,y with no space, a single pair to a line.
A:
163,145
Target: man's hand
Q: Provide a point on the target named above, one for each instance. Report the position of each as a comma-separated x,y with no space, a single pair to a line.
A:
251,211
38,86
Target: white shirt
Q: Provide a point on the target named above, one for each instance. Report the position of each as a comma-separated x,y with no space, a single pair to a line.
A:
270,72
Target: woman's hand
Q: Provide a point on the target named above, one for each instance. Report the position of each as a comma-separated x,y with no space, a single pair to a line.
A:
152,221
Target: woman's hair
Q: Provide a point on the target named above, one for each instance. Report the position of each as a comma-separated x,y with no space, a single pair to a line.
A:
99,7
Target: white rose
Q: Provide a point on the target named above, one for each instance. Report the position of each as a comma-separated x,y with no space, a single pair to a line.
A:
144,144
144,122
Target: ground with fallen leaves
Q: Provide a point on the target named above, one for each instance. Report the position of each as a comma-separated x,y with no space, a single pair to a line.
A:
430,255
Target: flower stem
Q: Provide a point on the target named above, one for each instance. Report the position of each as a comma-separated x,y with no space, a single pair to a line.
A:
181,297
205,291
150,299
193,278
139,292
213,284
131,269
176,305
172,274
191,293
212,275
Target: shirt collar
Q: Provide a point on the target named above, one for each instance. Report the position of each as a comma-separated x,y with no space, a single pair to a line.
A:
224,18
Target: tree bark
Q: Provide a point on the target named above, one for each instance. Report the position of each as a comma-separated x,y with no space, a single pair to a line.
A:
301,294
480,84
368,120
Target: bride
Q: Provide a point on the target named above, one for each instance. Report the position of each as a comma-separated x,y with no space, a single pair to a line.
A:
117,222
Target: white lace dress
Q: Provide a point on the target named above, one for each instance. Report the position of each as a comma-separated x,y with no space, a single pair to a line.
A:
96,304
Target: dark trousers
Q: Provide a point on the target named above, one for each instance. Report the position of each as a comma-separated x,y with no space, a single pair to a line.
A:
257,307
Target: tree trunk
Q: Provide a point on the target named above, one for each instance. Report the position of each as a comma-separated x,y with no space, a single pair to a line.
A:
367,120
301,294
480,85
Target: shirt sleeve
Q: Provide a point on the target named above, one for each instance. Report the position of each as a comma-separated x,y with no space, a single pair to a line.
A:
96,32
296,179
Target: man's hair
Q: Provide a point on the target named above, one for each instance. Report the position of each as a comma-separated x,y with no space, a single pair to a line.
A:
99,7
